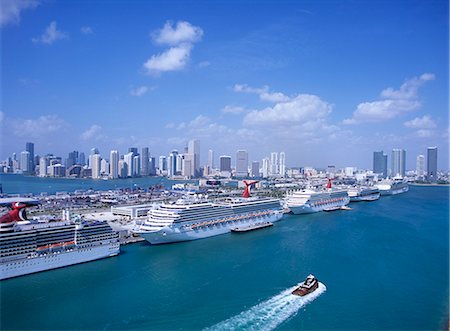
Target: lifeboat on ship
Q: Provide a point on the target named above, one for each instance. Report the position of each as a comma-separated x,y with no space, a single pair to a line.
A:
309,285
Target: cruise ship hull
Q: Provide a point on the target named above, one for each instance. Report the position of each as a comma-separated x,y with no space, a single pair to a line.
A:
394,190
52,260
370,197
176,234
314,208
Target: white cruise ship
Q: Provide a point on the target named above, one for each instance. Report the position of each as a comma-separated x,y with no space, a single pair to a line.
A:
189,220
392,186
363,193
31,246
312,201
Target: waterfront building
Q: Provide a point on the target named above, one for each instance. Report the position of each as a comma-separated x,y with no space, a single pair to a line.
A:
255,169
114,164
380,163
82,159
56,170
241,163
225,165
194,149
43,164
172,166
265,167
398,162
104,167
128,159
25,162
152,166
349,171
274,164
420,166
136,166
94,151
282,164
179,167
123,169
162,165
96,164
211,159
432,164
145,162
133,150
72,159
188,166
29,147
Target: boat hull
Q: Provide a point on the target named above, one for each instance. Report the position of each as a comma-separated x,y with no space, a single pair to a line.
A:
173,234
370,197
394,190
308,209
52,260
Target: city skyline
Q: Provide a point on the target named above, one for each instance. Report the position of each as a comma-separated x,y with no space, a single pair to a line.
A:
327,84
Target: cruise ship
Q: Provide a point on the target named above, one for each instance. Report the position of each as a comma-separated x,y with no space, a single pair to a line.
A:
29,246
392,186
312,201
363,193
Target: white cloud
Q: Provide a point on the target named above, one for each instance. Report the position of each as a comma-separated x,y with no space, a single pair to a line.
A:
175,58
395,102
182,32
139,91
93,133
424,133
50,35
233,110
263,93
424,122
10,10
35,128
303,109
86,30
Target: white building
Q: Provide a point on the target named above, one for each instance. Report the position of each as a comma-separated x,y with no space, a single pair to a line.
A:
114,164
104,167
128,159
25,157
420,166
211,159
273,164
241,163
194,149
95,166
265,167
282,164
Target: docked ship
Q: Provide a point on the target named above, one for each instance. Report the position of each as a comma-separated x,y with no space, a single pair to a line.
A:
190,219
363,193
309,285
392,186
29,246
312,201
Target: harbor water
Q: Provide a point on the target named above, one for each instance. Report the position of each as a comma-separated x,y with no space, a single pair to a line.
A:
384,265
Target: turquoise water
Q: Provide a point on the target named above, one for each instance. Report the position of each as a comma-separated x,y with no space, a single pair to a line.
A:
19,184
384,264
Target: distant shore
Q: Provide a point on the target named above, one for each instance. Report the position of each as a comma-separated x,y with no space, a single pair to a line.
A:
427,184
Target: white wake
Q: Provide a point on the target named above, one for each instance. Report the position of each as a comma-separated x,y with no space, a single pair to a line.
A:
269,314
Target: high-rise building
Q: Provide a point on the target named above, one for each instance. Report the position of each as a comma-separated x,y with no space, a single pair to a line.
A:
29,147
81,159
241,163
43,164
25,163
144,162
133,150
432,154
123,169
211,159
225,163
420,166
398,162
194,149
380,163
162,164
172,166
152,166
104,167
282,164
274,163
266,167
114,164
72,159
136,166
188,165
96,164
128,159
255,169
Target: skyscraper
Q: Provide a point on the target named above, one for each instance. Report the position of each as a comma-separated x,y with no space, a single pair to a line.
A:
144,162
380,163
225,163
266,167
211,159
432,163
255,169
96,162
241,163
172,166
136,166
29,147
25,163
162,164
274,163
282,164
114,164
128,160
194,149
420,166
43,164
133,150
398,162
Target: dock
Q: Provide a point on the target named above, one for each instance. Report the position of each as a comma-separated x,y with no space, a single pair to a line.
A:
252,227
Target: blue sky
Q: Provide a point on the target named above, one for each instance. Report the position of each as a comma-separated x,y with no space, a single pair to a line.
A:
328,82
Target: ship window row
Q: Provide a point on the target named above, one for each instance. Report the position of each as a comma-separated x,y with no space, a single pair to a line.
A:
17,243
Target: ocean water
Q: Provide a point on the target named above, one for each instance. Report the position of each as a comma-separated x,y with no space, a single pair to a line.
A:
384,266
19,184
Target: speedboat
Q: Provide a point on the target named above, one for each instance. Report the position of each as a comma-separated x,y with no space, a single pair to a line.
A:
309,285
